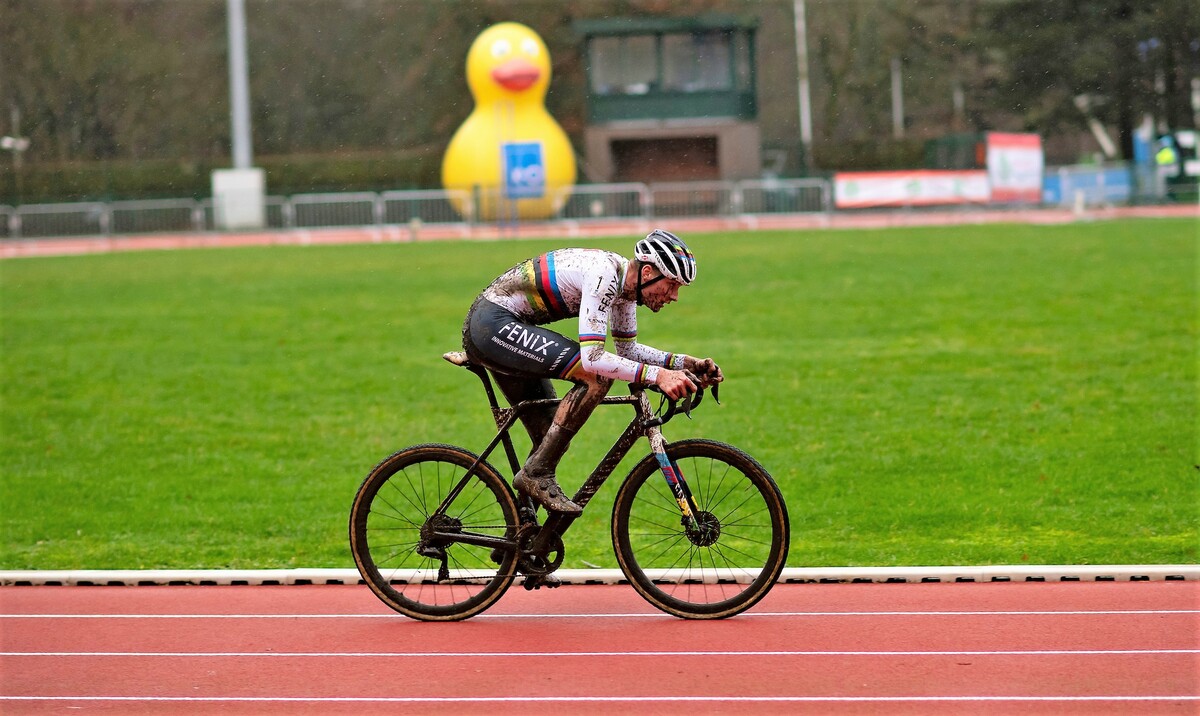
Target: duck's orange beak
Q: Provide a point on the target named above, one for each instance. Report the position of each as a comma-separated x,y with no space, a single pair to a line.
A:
516,75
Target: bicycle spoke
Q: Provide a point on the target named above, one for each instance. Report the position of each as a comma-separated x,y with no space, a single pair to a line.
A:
407,496
410,552
721,561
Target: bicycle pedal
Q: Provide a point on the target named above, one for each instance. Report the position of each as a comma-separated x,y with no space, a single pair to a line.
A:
538,581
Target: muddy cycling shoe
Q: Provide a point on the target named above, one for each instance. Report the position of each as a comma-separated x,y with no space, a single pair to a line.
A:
544,490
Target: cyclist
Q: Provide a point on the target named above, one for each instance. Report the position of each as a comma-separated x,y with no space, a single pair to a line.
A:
504,332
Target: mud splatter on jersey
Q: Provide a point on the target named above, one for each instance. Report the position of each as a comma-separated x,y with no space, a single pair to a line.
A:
583,283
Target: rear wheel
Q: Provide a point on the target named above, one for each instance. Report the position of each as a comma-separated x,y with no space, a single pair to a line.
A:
392,533
724,563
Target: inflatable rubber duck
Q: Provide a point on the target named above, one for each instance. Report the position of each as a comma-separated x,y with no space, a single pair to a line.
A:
510,159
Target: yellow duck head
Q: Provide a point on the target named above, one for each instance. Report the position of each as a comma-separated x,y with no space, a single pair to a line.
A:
508,61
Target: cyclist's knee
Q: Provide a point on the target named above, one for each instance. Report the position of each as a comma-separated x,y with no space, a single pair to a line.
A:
598,384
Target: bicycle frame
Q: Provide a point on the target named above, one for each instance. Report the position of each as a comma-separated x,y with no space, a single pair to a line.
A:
644,422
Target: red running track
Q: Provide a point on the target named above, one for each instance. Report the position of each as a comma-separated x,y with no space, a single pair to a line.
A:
1085,647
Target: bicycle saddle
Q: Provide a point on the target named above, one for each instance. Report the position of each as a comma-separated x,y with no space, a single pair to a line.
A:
458,358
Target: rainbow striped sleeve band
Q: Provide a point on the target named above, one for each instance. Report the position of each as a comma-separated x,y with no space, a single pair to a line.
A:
640,375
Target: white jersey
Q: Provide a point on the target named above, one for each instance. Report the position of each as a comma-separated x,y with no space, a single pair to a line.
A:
585,283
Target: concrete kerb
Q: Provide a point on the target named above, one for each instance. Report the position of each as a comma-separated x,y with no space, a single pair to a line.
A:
796,575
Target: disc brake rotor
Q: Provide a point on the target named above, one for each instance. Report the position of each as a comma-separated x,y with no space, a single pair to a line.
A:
707,530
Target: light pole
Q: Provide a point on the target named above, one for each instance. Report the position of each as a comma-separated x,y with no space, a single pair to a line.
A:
897,100
17,145
239,194
800,12
239,85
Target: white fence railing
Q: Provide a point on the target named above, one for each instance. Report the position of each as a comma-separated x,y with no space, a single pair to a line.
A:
587,202
1062,185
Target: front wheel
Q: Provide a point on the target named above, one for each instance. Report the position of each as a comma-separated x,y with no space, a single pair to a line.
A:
395,527
724,561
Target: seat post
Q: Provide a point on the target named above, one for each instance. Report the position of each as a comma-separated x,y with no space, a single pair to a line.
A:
487,385
459,358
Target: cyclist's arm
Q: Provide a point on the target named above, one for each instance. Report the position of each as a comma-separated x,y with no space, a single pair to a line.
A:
595,307
624,330
594,312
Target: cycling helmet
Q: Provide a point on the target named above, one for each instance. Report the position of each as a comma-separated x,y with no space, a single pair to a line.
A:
667,252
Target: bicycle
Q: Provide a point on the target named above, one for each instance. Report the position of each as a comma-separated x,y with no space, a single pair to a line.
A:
438,534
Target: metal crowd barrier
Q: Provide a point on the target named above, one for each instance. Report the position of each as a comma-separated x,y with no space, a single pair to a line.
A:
72,219
586,202
165,215
785,196
606,201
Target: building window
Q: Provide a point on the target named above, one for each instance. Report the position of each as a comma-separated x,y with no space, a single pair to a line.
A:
742,60
715,60
696,62
624,65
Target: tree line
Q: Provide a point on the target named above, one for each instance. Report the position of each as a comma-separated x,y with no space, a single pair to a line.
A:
124,98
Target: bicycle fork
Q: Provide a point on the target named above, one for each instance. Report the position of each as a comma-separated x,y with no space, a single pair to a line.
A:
690,514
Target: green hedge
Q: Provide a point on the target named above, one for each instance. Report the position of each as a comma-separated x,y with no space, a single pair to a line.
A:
308,173
159,178
870,155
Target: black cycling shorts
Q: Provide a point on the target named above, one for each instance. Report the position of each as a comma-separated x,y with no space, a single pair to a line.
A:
500,340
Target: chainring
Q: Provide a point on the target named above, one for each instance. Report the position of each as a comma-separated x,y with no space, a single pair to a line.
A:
532,564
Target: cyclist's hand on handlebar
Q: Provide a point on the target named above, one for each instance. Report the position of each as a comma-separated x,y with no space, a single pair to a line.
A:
676,384
707,370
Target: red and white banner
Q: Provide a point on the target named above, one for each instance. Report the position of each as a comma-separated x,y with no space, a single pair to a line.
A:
1014,166
921,187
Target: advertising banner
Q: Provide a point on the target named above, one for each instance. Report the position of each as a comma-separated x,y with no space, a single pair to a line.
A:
524,170
924,187
1014,165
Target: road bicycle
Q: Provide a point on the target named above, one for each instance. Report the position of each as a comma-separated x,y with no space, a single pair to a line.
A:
699,528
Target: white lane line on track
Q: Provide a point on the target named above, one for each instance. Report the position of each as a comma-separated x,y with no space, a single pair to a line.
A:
608,699
635,615
589,654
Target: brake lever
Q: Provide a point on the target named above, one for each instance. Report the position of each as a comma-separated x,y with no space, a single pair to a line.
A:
687,404
691,400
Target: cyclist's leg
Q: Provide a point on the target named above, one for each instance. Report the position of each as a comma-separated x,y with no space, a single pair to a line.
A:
531,354
517,389
573,412
521,357
504,343
537,477
579,403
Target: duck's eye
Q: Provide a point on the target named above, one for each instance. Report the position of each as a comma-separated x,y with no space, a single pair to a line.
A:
500,48
530,47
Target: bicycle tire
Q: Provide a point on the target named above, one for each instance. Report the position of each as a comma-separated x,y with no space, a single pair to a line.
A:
395,501
696,575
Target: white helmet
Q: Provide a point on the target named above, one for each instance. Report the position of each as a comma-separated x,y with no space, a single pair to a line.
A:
668,254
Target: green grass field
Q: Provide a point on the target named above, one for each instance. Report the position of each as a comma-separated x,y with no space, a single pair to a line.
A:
971,395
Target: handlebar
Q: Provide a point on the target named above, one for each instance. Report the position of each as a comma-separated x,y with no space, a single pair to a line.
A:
687,403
